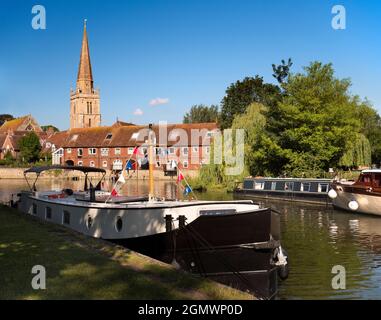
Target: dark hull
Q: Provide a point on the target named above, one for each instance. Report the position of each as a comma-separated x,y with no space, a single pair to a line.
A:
306,197
232,249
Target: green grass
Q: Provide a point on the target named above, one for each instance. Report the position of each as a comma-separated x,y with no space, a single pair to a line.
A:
79,267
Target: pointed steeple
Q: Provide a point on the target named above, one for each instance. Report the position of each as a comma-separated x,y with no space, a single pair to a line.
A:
85,75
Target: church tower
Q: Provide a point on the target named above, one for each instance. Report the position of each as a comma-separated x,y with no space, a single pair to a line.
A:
84,101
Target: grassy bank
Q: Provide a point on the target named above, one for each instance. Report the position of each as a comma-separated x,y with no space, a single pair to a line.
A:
78,267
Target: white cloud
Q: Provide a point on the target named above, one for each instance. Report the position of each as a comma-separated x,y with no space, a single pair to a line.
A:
158,101
138,112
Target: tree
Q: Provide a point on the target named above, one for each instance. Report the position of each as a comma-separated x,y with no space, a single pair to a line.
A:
241,94
282,71
30,147
318,126
201,113
370,128
5,117
46,128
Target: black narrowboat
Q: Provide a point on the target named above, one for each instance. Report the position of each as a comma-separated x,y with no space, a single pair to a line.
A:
289,189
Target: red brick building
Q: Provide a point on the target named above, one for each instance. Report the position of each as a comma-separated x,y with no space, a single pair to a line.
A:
12,131
112,147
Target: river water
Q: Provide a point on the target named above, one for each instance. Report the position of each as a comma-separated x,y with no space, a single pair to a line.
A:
317,238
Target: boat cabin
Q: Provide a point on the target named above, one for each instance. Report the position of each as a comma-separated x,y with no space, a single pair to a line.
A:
369,178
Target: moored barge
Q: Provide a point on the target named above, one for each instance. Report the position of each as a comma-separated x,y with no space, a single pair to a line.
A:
314,191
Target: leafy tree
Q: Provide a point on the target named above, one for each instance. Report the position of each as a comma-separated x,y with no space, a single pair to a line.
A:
201,113
46,128
241,94
5,117
318,129
370,128
30,147
282,71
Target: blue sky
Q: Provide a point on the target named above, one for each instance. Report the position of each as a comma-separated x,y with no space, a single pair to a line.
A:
184,51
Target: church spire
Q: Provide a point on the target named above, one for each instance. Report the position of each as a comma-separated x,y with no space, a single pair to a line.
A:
85,75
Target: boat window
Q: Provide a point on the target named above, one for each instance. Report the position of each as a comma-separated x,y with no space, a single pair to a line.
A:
289,186
377,180
259,185
34,208
273,186
217,212
48,213
323,187
89,222
365,179
66,217
119,224
306,187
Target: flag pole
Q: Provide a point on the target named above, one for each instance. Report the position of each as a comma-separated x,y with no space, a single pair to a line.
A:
187,182
122,173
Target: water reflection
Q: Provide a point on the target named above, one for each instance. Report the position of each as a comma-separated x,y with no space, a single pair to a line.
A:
316,238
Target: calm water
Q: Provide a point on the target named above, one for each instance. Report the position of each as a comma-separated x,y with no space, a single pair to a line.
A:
316,238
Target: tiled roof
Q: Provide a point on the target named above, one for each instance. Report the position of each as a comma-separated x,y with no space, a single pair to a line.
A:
12,124
125,136
19,124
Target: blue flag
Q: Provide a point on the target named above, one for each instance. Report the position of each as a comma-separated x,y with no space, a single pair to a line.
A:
187,190
129,165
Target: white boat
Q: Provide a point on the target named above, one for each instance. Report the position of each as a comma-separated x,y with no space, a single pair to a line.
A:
361,196
233,242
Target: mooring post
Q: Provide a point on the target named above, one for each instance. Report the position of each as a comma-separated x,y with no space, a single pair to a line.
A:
168,222
182,220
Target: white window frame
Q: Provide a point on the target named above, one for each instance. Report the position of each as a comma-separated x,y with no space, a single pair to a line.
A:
130,150
92,164
183,151
68,150
118,151
104,164
302,186
259,185
171,150
195,149
104,152
80,152
80,163
185,164
320,187
92,151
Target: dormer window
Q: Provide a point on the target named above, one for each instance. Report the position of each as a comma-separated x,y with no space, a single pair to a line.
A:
109,136
135,135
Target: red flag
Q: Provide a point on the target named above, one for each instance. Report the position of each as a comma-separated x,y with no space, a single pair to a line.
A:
180,177
136,150
118,185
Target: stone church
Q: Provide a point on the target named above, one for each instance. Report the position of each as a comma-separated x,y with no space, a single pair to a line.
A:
84,100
